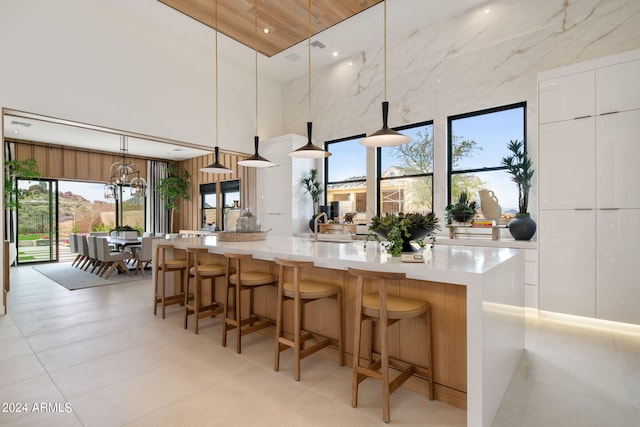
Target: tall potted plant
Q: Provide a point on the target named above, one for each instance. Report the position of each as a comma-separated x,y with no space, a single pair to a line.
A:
518,165
175,188
314,189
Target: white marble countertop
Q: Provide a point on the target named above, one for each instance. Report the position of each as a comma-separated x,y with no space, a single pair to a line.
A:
463,265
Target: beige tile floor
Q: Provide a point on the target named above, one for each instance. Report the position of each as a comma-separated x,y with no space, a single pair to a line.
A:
103,352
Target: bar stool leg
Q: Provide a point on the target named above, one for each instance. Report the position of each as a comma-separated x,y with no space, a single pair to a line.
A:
356,344
279,308
384,355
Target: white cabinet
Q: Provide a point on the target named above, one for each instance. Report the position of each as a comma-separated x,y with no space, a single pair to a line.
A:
618,268
589,219
567,164
281,203
565,98
617,154
567,270
617,87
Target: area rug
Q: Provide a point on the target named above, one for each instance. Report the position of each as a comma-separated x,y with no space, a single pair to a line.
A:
74,278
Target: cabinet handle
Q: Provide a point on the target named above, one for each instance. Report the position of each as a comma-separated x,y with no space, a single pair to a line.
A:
581,117
582,209
610,112
609,209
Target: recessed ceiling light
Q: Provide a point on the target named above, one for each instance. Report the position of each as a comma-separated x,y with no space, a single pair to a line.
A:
487,11
350,64
266,31
16,131
335,53
179,149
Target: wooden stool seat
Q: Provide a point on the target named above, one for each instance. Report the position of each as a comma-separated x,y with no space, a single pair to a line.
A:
239,280
199,271
310,289
253,278
302,292
397,307
162,266
386,310
208,270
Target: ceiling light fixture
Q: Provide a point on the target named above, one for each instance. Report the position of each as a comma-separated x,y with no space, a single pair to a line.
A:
122,173
385,137
309,150
256,161
216,166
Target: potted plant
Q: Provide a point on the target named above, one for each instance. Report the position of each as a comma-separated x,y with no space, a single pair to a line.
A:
518,165
462,210
400,229
175,188
314,189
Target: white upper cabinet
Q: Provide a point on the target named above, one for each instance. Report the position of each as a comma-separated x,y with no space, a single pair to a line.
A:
617,154
567,164
567,97
617,87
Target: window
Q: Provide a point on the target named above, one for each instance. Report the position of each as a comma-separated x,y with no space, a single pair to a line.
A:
346,176
131,209
477,143
405,172
209,204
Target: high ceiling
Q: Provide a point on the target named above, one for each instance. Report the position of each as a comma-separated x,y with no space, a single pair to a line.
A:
287,21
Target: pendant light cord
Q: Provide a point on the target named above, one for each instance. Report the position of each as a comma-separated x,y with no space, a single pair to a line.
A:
309,47
256,50
217,115
385,49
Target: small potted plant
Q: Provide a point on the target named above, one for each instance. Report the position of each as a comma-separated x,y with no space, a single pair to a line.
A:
400,229
518,164
462,210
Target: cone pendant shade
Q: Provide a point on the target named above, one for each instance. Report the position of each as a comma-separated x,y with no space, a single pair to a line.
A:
385,137
216,166
256,161
309,150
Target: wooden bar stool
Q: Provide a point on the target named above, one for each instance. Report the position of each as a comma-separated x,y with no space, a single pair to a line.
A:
386,310
193,299
302,292
242,280
162,266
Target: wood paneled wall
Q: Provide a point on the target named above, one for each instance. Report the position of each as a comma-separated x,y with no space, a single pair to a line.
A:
189,216
60,162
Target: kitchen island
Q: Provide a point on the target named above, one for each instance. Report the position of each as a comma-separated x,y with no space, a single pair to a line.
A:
477,299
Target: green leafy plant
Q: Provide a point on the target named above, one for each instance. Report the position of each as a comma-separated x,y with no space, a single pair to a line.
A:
400,228
14,169
519,167
125,228
312,186
175,188
462,210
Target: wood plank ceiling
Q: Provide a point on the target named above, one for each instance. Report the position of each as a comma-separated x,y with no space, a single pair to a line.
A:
287,20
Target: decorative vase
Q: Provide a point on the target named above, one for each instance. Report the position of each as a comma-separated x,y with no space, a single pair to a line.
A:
522,227
247,222
491,209
231,216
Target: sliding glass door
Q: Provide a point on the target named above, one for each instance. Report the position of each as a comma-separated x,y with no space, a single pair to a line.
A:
37,221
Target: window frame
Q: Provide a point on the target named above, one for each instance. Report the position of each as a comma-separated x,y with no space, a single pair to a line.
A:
451,119
327,145
379,177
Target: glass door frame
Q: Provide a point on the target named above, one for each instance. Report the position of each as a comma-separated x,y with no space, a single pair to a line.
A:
53,222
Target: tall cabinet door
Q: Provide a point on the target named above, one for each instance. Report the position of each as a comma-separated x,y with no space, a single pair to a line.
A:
617,154
618,265
567,164
566,254
567,97
617,87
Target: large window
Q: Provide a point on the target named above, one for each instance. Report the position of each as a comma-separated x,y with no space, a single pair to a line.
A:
209,205
477,143
405,172
346,176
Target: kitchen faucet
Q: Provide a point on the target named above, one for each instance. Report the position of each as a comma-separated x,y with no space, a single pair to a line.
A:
315,223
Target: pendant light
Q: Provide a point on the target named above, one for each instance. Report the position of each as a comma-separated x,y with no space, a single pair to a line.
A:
256,161
309,150
216,166
386,136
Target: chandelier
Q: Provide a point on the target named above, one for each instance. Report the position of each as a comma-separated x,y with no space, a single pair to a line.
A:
124,172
